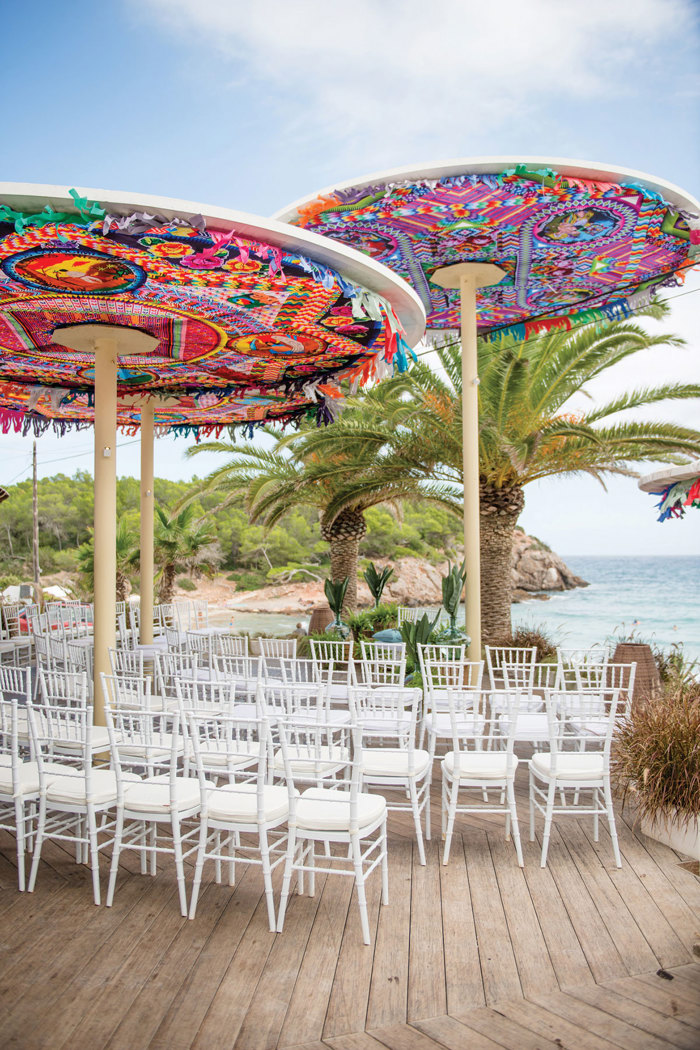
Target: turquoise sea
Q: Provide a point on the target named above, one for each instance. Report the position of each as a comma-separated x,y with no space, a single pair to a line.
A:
656,598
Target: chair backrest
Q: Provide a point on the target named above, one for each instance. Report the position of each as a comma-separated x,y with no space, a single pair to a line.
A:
545,676
67,688
477,728
333,660
323,754
581,718
126,662
404,614
273,648
169,667
294,699
198,695
144,741
39,623
621,677
174,639
500,657
58,652
42,651
232,645
16,619
16,683
445,666
390,713
62,734
203,645
242,672
9,748
229,747
383,663
164,615
129,691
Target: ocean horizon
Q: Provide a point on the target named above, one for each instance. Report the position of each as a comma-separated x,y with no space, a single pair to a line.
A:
654,598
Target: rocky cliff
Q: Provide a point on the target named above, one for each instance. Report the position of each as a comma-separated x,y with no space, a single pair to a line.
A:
535,570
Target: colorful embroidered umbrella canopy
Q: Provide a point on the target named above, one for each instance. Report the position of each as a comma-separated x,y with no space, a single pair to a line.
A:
106,295
677,488
507,246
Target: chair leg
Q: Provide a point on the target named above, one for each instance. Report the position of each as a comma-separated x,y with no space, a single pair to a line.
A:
267,878
515,829
611,821
21,844
532,807
288,865
154,855
385,866
547,822
360,884
179,866
596,805
417,820
428,782
233,842
199,865
116,849
94,855
37,845
450,820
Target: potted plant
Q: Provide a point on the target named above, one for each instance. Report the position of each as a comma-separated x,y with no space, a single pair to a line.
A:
335,595
452,586
377,581
656,761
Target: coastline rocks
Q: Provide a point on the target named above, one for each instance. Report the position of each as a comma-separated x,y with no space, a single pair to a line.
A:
535,568
415,582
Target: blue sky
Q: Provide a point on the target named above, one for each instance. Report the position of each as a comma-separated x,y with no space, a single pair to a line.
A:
251,105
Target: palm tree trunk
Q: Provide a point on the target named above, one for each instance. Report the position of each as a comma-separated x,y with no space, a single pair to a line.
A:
499,513
167,584
344,534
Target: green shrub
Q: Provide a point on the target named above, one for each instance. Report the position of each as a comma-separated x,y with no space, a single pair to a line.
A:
186,584
525,637
366,622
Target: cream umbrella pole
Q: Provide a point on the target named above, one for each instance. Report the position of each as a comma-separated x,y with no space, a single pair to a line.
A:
147,509
107,343
468,277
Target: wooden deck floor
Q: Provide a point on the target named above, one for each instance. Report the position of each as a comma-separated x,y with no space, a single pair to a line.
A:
477,955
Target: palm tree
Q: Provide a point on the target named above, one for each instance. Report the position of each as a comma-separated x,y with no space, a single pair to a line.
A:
526,432
311,468
180,544
127,559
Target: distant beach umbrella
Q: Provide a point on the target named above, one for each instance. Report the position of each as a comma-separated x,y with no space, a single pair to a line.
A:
512,247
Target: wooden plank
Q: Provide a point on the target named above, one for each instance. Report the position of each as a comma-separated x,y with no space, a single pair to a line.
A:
354,1041
316,1045
490,1023
180,1025
687,885
44,989
347,1006
266,1012
680,1035
405,1037
630,942
426,976
227,1010
309,1000
389,986
553,1027
603,1024
498,966
464,985
454,1034
565,951
680,984
601,954
650,898
660,995
529,946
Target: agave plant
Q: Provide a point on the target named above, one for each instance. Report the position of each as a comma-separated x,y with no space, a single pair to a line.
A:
452,586
335,596
415,634
377,581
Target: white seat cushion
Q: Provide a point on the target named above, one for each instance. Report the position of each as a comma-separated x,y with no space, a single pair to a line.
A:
327,809
99,741
153,752
439,724
532,726
153,795
239,804
228,758
66,785
386,762
28,777
480,765
377,722
581,765
305,763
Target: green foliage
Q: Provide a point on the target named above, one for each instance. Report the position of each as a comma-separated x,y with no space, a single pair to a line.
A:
415,634
674,664
377,581
366,622
186,584
452,586
335,595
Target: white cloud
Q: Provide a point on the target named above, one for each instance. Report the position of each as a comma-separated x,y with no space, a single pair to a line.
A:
374,77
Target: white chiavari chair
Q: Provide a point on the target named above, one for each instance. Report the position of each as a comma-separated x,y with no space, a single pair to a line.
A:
382,663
